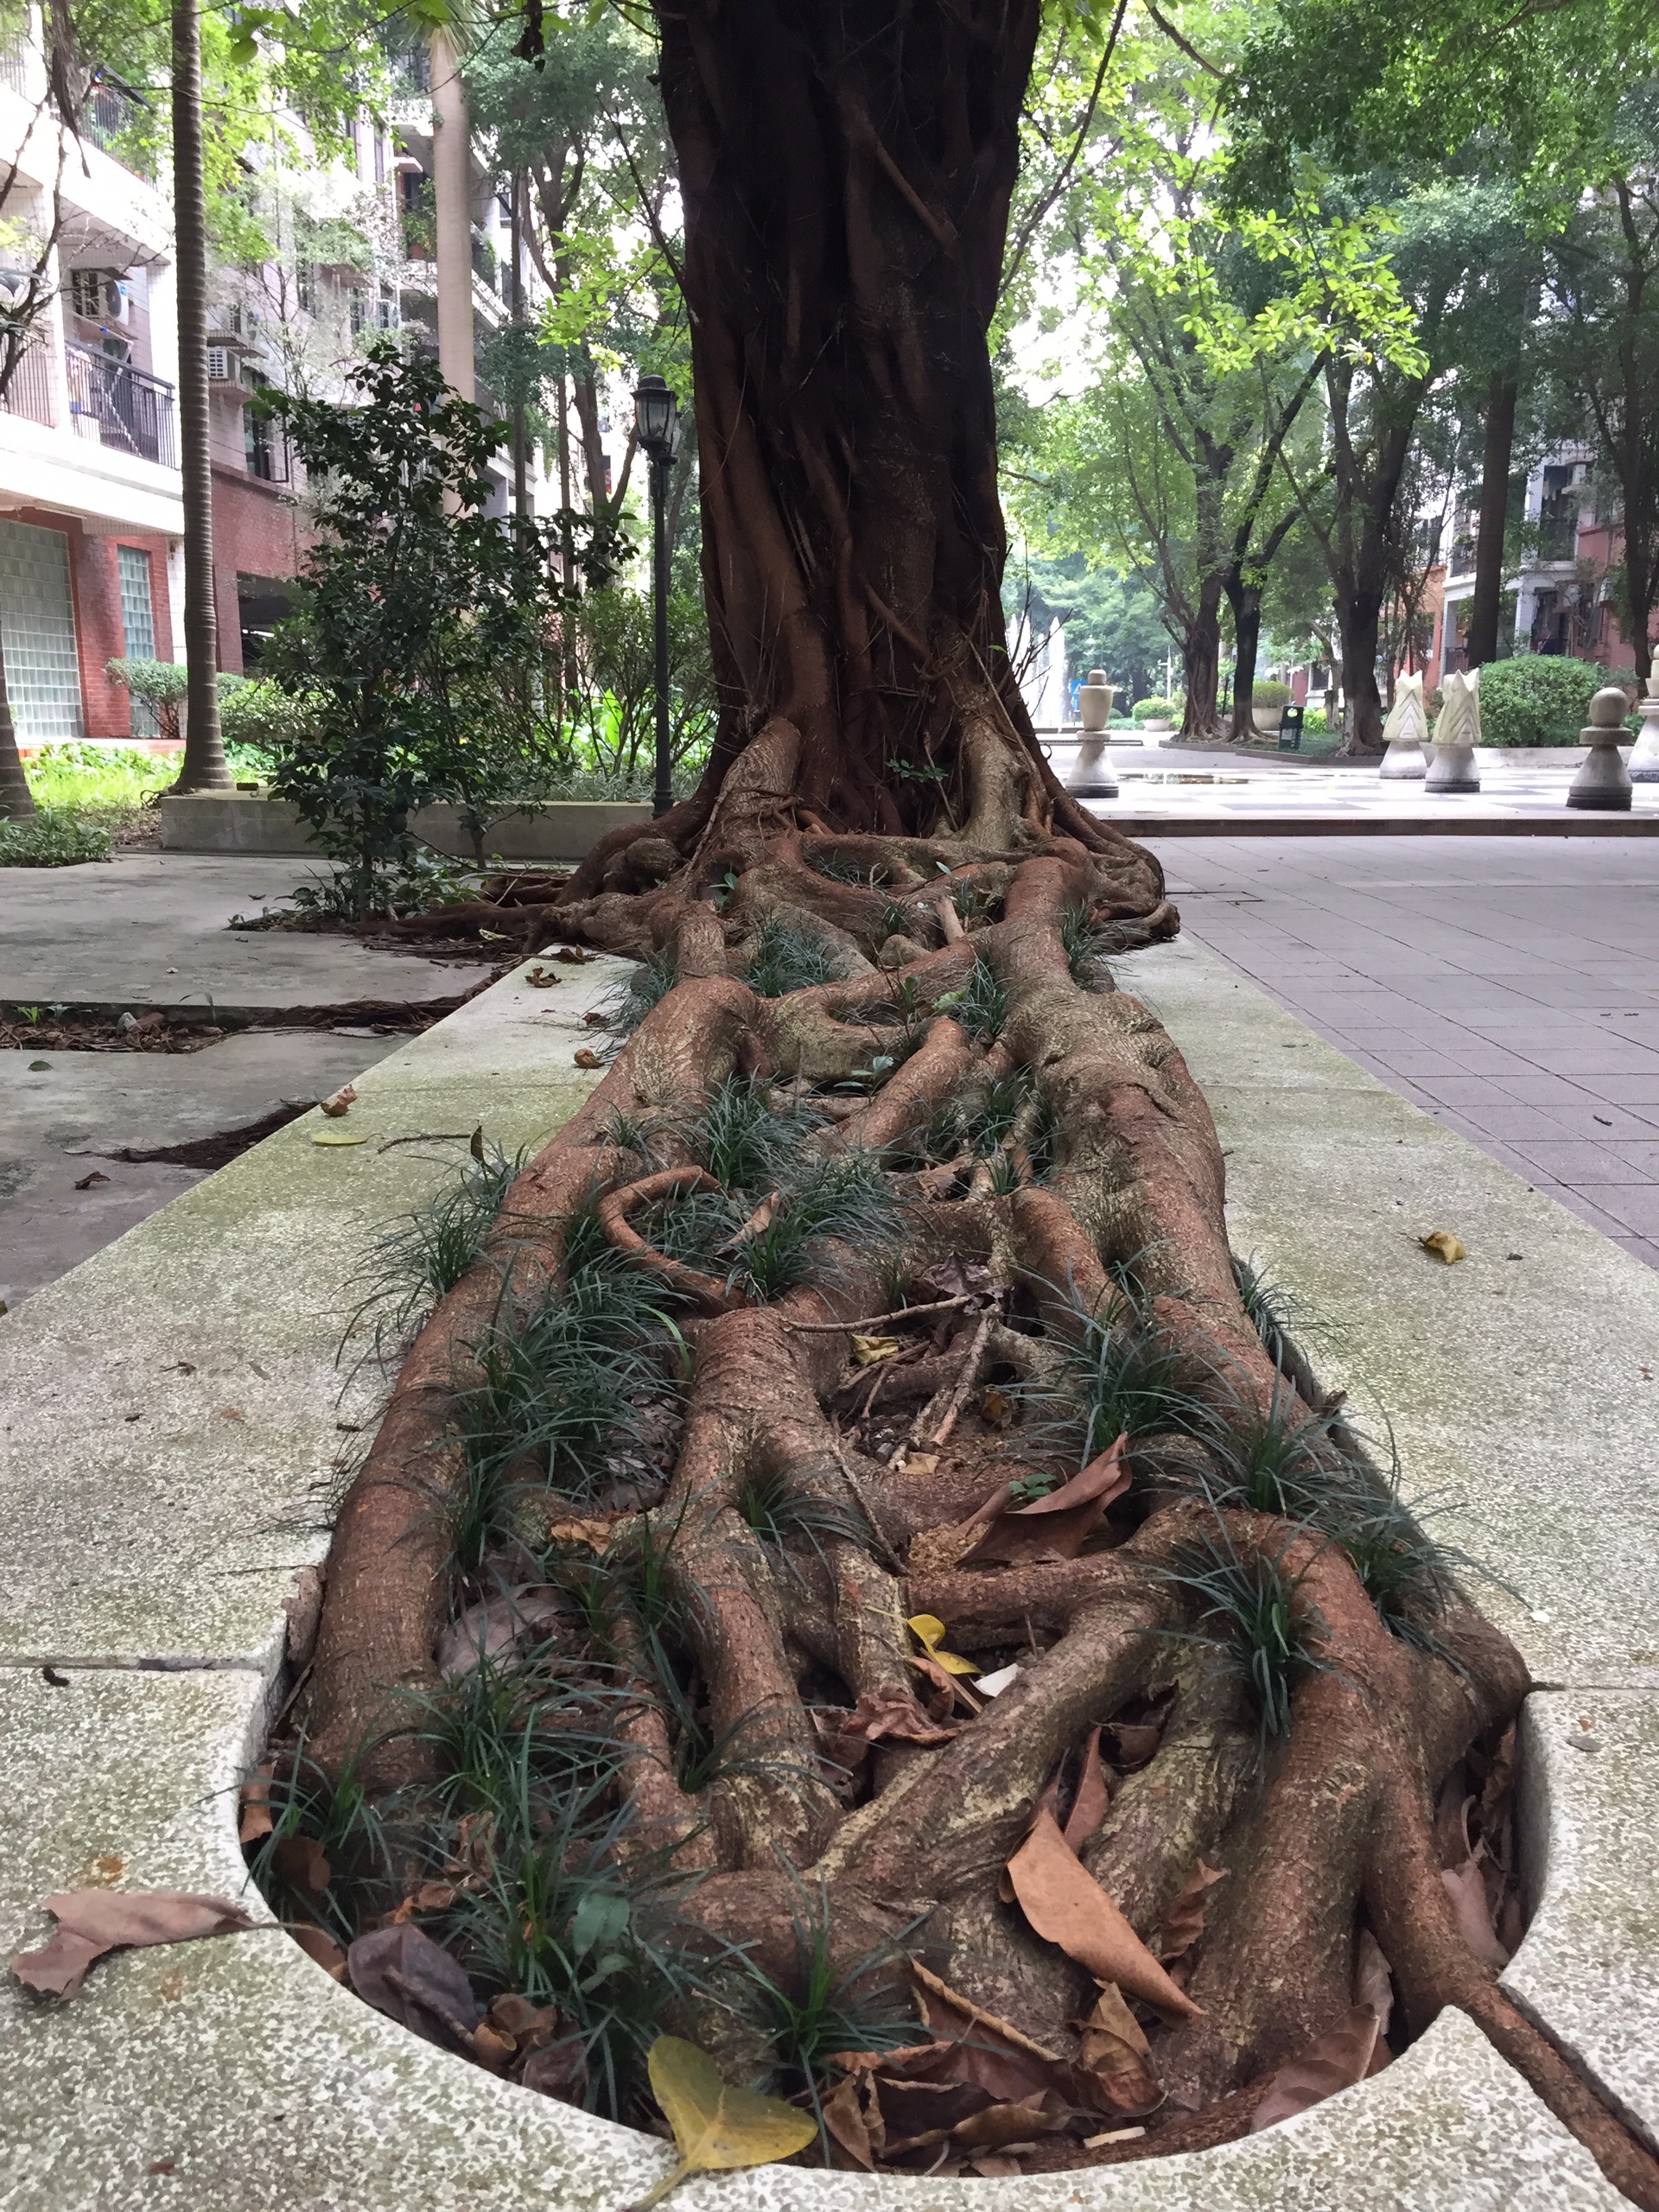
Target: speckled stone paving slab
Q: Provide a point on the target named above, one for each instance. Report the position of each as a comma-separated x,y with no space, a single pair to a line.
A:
234,2073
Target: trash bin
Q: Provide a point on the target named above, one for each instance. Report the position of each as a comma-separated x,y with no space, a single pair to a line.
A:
1290,730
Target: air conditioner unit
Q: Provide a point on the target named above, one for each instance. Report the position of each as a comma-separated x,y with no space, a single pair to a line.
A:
99,295
222,365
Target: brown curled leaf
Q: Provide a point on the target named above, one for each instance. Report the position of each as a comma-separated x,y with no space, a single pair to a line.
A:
1334,2061
92,1921
1064,1903
1183,1921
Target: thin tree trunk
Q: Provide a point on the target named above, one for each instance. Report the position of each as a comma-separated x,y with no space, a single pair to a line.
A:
452,194
1201,664
16,800
1245,600
203,767
1494,508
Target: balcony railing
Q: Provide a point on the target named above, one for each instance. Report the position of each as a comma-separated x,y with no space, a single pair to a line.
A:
28,387
117,405
109,118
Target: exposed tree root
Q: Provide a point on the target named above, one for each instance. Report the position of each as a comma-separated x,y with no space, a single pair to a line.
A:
859,1776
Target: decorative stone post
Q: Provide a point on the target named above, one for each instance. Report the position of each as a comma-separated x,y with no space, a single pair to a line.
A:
1090,775
1642,766
1457,732
1603,782
1404,731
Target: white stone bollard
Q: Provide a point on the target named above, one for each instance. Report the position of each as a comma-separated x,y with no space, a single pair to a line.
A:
1090,776
1642,766
1604,781
1457,732
1403,733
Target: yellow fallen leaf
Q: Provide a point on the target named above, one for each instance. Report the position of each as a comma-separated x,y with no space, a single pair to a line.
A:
595,1535
868,1350
717,2128
918,1463
1444,1246
928,1631
338,1137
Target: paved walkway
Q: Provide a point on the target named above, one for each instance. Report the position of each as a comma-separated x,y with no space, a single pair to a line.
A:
1201,791
1507,985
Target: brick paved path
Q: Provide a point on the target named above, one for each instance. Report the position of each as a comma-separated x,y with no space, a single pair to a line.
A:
1509,985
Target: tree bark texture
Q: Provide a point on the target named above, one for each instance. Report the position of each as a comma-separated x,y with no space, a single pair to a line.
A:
1484,607
847,172
205,767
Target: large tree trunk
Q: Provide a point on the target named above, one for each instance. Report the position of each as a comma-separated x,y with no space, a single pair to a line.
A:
1494,509
1359,616
203,767
846,176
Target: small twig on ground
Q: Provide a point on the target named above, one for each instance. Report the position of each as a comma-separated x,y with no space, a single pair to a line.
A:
870,1320
890,1558
429,1136
965,1380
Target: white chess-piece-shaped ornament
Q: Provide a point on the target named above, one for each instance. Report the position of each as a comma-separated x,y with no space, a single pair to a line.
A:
1642,766
1457,732
1092,776
1603,782
1404,731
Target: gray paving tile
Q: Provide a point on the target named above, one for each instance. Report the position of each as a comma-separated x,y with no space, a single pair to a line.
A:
1470,1093
1598,1119
1572,1160
1633,1206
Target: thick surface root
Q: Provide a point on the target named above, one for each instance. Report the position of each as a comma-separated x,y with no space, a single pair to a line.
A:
1240,1683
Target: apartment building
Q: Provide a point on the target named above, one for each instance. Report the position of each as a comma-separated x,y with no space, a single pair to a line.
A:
90,497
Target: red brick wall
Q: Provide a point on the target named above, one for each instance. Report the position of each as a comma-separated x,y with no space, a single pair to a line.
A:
257,532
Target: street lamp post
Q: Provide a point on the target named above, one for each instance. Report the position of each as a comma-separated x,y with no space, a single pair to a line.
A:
657,420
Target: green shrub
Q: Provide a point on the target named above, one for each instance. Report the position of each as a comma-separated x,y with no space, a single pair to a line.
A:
1535,699
162,684
1269,693
1314,722
51,838
1154,710
255,713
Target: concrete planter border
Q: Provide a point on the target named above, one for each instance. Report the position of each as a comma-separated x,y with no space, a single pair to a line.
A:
247,821
172,1411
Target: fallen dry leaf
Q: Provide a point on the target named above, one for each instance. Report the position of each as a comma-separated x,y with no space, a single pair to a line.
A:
717,2128
1468,1890
1115,2051
585,1057
866,1350
877,1721
1335,2061
1444,1246
558,2068
595,1536
543,978
996,1408
426,1897
918,1463
574,955
1064,1903
1183,1921
930,1632
1094,1798
1373,1983
341,1103
514,1620
318,1946
255,1820
1057,1526
92,1921
87,1181
414,1980
302,1861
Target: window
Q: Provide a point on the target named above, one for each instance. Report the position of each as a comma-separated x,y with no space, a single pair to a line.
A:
138,624
380,156
37,621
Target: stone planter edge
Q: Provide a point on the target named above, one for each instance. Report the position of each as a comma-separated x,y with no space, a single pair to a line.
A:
239,2068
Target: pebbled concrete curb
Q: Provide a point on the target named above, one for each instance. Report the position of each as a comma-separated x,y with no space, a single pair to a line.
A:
152,1567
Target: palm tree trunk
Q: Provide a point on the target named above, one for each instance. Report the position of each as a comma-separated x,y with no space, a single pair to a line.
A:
16,800
205,767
